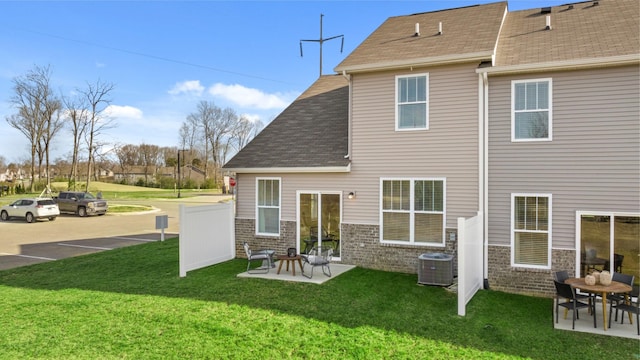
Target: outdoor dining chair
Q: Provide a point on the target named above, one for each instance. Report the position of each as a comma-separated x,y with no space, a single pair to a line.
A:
565,291
617,299
561,276
632,308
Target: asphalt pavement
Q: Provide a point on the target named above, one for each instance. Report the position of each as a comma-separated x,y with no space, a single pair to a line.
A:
23,244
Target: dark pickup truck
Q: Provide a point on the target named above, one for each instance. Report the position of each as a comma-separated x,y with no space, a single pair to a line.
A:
81,203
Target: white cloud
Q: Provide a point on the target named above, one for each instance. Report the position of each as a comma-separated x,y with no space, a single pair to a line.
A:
187,87
128,112
253,117
252,98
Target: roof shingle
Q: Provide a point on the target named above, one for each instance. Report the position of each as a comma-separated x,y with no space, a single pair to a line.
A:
465,31
578,31
311,132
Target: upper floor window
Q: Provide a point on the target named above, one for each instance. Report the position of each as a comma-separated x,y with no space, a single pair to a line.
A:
268,206
531,110
531,230
412,110
413,211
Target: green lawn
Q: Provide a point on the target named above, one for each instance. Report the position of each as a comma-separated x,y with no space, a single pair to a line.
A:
130,303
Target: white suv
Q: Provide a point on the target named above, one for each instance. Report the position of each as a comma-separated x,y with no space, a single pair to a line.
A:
30,209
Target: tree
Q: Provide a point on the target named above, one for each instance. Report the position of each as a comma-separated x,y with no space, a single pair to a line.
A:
204,119
127,156
97,97
77,116
150,155
218,135
37,113
244,131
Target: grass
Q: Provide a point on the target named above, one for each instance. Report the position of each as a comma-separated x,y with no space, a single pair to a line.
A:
119,208
131,303
118,192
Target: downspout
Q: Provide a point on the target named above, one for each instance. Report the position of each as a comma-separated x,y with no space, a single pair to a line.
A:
484,173
349,142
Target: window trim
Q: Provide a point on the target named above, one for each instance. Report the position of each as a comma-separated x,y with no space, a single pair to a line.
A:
426,102
549,231
279,207
549,109
412,211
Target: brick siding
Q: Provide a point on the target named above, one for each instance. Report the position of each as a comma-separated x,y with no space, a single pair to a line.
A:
534,282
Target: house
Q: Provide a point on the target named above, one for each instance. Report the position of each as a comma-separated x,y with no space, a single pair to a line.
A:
528,117
563,118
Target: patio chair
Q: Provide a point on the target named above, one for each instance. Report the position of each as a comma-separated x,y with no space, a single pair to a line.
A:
314,260
617,299
633,307
561,276
264,257
567,292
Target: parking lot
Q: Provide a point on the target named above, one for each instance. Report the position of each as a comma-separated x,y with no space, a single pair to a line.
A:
22,243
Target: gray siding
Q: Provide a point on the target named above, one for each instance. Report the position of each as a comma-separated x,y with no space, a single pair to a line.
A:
448,149
593,162
290,183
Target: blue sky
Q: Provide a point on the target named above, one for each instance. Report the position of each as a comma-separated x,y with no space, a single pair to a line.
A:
166,56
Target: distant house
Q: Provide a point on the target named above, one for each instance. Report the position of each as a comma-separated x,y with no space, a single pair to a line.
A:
529,117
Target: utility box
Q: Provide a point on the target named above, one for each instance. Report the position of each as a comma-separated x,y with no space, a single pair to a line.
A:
435,269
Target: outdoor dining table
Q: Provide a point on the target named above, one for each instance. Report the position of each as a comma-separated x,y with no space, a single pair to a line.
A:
603,290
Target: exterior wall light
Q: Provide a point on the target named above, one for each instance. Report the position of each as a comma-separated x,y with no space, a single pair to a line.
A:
352,195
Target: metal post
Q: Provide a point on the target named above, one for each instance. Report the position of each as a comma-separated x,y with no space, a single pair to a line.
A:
179,177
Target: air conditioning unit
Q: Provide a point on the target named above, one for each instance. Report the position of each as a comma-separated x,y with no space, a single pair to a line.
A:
435,269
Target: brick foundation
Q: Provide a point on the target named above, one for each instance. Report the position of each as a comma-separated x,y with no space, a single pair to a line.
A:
246,231
360,246
534,282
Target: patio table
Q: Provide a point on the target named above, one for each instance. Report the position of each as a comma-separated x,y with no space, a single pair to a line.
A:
290,260
603,290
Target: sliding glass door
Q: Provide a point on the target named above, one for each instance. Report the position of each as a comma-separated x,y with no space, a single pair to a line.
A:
609,241
319,217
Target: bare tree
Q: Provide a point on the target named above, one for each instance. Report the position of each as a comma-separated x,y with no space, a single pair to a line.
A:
52,124
77,116
37,107
218,136
244,131
97,97
204,119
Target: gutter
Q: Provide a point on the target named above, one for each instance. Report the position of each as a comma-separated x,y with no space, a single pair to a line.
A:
585,63
292,170
427,61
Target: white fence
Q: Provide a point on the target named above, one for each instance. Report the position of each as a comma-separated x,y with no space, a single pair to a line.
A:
207,236
470,253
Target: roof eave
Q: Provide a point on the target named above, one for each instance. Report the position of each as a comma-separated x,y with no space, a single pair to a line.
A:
586,63
428,61
291,170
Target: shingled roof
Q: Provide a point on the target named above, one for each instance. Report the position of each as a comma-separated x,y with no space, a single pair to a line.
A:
310,135
468,33
584,30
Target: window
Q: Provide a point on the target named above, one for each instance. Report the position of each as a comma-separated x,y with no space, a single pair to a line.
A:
268,206
531,115
412,110
531,230
413,211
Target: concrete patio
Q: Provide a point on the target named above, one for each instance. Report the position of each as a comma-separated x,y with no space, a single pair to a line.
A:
318,276
585,323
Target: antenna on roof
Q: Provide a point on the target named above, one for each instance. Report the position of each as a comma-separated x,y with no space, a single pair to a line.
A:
322,40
